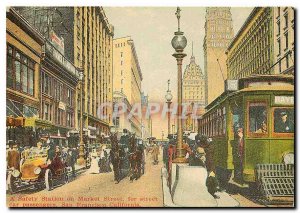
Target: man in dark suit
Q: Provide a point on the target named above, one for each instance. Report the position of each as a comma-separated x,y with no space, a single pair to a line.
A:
284,124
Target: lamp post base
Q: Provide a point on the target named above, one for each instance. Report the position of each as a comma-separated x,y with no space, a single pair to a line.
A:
81,161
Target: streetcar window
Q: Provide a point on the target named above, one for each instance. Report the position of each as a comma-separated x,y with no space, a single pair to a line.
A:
224,121
284,120
258,118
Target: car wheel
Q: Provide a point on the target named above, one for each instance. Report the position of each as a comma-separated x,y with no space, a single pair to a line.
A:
11,184
48,180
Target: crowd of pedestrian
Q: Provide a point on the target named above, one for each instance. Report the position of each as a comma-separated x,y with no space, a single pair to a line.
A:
198,152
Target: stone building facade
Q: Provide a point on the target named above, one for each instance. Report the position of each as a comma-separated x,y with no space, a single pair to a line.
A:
24,53
218,34
252,49
87,42
193,93
284,40
128,80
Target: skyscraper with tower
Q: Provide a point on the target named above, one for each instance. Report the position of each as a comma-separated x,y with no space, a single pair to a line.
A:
218,34
193,92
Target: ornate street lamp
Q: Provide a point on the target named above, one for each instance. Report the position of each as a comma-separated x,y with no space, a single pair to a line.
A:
179,42
169,97
81,159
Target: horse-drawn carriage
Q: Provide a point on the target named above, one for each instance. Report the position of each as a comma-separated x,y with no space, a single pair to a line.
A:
127,157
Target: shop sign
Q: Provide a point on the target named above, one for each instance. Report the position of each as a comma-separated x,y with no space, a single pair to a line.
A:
62,105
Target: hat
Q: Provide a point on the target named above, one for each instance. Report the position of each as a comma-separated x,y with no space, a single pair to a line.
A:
170,136
240,130
200,150
283,113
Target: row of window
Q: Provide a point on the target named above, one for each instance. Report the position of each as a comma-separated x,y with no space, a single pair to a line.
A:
19,71
288,57
214,124
286,42
220,29
59,91
254,49
220,14
63,118
258,122
257,31
286,24
221,36
218,44
283,121
122,44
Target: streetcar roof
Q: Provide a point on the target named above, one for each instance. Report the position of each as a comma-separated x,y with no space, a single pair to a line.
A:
225,95
270,77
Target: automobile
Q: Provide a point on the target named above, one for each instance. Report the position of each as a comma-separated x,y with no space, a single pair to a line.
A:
38,171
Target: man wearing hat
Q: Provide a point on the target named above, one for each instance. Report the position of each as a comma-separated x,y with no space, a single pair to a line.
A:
13,158
205,144
238,156
284,125
165,151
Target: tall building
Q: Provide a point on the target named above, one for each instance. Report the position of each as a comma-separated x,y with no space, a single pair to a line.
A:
193,92
218,34
127,79
284,33
252,49
146,121
87,41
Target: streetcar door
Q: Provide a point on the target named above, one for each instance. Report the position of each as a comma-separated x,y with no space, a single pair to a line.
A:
236,121
257,141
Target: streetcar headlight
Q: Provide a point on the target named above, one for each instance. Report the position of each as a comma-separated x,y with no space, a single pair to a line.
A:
15,173
288,158
37,170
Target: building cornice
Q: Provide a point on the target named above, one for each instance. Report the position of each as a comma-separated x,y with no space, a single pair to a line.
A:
18,19
244,26
109,27
135,58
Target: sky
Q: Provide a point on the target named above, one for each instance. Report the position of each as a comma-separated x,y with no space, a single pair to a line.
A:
152,29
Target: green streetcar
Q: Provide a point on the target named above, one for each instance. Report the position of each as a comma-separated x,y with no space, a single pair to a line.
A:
263,106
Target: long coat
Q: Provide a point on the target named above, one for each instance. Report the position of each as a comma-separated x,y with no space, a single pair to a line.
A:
13,159
155,152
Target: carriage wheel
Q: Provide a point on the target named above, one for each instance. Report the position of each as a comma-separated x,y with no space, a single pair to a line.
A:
48,180
65,176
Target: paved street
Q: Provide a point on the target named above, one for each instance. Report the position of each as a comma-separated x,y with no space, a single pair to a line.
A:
99,190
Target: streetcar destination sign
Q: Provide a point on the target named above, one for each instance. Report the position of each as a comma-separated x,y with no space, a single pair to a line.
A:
284,100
